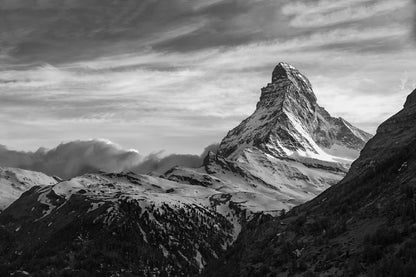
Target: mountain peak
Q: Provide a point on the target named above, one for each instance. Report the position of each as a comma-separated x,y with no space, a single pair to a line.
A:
287,72
282,70
289,123
287,83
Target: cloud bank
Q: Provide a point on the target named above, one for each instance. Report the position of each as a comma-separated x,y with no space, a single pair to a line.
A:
75,158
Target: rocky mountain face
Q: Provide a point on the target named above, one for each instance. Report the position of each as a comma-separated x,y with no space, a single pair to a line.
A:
288,123
126,224
287,152
363,226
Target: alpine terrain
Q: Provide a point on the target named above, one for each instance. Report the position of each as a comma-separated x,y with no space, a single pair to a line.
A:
288,151
125,224
363,226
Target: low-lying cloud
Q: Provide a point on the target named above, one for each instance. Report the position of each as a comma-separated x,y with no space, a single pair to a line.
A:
75,158
156,164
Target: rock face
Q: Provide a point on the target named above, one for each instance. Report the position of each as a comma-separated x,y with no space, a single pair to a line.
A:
125,224
363,226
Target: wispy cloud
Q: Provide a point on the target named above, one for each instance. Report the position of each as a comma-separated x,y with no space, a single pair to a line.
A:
178,75
324,13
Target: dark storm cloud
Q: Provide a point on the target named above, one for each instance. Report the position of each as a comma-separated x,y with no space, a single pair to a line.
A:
75,158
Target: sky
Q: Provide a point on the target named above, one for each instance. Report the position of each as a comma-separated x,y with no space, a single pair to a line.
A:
177,75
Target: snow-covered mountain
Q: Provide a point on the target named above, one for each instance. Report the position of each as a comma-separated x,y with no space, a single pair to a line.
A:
288,151
14,181
288,123
284,154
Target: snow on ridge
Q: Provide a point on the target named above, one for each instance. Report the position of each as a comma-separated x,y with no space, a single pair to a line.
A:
67,188
319,153
15,181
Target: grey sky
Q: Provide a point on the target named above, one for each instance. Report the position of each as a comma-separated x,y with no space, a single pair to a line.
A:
178,74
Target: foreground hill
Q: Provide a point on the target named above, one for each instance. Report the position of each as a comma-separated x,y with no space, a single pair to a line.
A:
363,226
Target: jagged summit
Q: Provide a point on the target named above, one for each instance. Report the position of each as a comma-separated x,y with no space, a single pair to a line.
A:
289,123
287,83
284,71
281,71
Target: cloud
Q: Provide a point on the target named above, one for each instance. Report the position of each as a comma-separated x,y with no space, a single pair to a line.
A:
414,20
74,29
183,101
158,165
75,158
324,13
72,158
320,6
179,74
